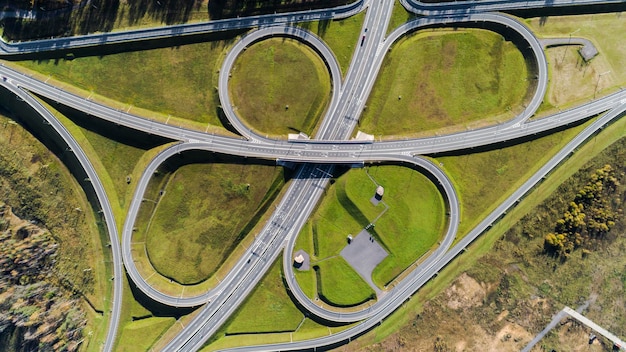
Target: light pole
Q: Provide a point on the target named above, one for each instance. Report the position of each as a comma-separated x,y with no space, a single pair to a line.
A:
598,82
569,42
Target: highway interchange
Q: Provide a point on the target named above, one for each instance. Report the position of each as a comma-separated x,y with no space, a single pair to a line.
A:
318,156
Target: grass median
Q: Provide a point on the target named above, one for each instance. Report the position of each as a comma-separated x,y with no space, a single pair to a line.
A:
341,36
408,223
485,179
442,78
280,86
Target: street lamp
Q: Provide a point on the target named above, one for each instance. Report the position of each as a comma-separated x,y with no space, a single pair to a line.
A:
598,82
569,42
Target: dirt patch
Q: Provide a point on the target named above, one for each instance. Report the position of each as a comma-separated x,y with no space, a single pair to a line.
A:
511,337
574,79
465,292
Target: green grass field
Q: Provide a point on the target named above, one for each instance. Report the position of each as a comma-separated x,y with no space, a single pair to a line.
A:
483,180
178,81
412,225
118,159
200,217
280,86
593,26
437,79
399,16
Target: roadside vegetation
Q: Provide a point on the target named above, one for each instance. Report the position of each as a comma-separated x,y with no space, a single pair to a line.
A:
40,189
280,86
412,224
479,74
485,179
268,308
504,290
203,211
339,285
399,16
178,84
139,335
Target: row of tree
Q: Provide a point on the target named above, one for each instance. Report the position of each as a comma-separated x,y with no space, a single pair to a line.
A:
589,218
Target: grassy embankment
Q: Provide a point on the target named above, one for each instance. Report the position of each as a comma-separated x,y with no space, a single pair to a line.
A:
37,185
572,82
174,85
446,80
268,315
520,282
411,226
280,86
141,82
114,161
484,180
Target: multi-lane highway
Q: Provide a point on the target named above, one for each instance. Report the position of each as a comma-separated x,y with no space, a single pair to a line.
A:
329,148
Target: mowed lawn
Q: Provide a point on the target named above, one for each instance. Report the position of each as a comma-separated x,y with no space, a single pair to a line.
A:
279,86
436,79
340,285
178,81
412,225
201,214
414,222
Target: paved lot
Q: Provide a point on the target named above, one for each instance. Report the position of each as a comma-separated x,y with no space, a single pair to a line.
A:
363,254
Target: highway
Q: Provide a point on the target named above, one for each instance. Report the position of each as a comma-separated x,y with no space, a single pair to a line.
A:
329,148
303,193
143,34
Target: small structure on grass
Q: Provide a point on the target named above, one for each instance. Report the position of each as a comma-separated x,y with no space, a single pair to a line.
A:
298,260
378,196
379,193
301,260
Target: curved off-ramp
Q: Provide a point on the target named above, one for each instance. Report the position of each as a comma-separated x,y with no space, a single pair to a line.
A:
296,33
72,146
